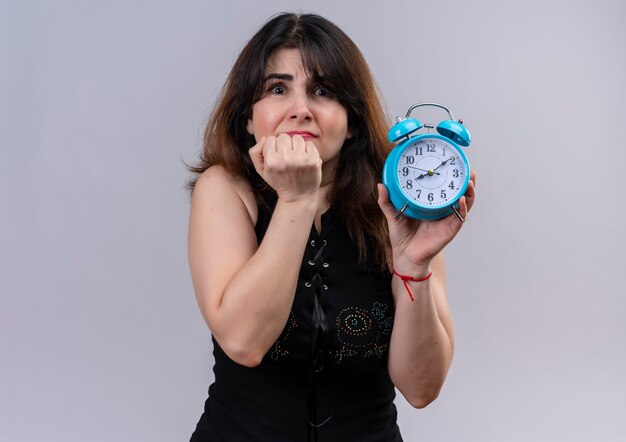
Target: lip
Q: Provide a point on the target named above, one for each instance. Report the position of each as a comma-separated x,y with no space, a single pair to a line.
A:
304,134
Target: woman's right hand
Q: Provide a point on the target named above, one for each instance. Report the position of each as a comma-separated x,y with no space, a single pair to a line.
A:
290,165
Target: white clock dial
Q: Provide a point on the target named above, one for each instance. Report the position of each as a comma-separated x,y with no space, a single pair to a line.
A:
431,172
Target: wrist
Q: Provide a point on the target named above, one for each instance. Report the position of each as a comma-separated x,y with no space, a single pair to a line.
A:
406,278
304,204
405,266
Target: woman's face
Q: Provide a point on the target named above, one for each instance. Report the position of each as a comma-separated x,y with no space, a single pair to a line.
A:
293,104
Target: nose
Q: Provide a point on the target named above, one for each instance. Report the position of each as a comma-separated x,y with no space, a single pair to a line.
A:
300,108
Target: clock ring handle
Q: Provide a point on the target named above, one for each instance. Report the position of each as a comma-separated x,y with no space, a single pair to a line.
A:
451,129
441,106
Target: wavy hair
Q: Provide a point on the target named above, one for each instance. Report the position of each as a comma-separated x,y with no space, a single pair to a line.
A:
326,50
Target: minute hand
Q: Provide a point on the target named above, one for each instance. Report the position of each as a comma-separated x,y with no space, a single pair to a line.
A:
432,171
442,164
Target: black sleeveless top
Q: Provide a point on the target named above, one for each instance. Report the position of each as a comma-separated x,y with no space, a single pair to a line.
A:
325,378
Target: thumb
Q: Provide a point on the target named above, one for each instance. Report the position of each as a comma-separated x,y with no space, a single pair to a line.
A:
256,155
385,204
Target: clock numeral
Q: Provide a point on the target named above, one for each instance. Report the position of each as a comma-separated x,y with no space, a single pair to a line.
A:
419,192
405,171
410,160
451,185
431,197
444,152
443,195
430,147
455,173
409,184
452,161
418,150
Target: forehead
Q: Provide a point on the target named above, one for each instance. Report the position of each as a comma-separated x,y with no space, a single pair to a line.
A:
285,61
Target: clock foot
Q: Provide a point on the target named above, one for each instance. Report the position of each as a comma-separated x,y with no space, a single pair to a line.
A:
406,206
458,215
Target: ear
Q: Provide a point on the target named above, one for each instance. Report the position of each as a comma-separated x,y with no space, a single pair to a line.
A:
349,134
250,127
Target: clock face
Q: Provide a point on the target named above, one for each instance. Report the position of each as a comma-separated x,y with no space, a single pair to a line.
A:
431,172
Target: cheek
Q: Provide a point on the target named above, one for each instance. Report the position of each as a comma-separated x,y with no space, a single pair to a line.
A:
264,120
337,123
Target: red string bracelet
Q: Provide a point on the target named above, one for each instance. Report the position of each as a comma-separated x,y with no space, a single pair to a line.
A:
406,278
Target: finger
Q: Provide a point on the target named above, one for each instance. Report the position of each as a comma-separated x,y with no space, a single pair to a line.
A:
298,144
473,177
312,154
470,195
256,155
463,207
283,143
273,155
311,148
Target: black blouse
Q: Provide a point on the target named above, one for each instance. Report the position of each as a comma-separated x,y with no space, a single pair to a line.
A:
325,378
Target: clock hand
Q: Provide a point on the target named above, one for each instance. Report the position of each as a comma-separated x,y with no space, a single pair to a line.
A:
423,170
431,172
442,164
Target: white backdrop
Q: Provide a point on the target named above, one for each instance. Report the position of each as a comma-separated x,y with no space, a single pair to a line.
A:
100,104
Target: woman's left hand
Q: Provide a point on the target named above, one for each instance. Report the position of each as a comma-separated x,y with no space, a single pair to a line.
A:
415,242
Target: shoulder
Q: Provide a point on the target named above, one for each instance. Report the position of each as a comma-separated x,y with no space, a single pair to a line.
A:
216,187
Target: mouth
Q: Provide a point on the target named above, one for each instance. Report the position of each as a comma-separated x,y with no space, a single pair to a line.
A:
304,134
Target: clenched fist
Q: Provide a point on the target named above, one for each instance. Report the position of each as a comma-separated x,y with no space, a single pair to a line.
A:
290,165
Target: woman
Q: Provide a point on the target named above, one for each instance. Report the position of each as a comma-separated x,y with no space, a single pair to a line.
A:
292,251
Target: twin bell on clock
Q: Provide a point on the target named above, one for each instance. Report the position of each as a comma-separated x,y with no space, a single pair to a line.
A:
426,174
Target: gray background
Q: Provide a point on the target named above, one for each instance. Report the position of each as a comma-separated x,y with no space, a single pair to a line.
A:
101,102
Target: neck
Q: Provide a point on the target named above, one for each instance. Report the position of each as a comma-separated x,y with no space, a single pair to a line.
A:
328,172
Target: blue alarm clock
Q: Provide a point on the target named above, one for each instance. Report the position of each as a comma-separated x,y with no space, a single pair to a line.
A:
426,174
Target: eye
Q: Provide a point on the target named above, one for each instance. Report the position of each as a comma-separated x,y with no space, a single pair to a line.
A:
321,91
277,89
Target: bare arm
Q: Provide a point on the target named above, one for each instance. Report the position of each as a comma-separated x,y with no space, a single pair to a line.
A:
422,341
245,290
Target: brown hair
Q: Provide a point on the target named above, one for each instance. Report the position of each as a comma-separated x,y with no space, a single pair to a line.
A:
325,49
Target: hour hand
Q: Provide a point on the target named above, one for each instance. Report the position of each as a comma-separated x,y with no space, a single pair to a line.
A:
430,172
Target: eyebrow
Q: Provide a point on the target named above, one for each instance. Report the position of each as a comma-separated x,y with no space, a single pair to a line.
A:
286,77
289,77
